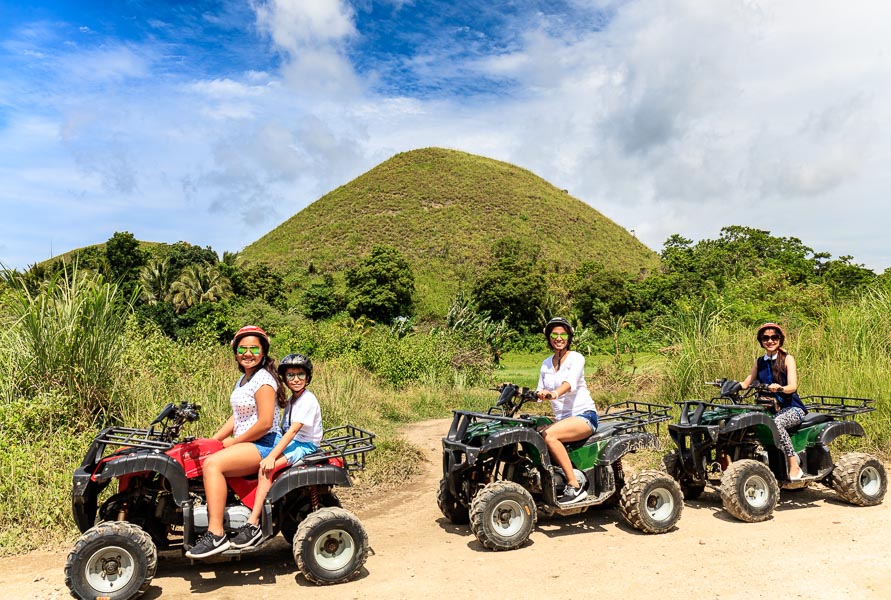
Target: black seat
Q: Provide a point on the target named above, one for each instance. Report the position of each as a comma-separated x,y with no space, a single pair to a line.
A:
812,418
604,430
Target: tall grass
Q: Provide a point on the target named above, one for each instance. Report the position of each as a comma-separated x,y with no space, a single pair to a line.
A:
846,352
69,336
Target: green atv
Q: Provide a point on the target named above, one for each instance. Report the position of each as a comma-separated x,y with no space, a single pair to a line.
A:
498,475
734,447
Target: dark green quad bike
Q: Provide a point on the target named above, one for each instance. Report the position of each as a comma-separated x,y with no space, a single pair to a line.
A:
498,475
733,447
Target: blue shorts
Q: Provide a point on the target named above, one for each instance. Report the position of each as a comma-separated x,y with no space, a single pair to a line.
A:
297,450
266,443
591,417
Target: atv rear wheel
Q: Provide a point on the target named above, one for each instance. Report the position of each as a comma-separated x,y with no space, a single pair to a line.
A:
749,491
652,502
296,511
502,515
330,546
453,510
114,559
671,464
860,479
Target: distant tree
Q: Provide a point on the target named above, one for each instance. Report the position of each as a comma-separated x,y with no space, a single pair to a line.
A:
844,278
513,288
260,281
198,284
156,278
381,286
91,258
599,294
320,300
125,259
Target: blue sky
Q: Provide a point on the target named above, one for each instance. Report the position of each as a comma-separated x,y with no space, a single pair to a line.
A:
214,121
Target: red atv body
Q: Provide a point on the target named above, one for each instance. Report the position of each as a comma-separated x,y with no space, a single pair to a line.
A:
160,504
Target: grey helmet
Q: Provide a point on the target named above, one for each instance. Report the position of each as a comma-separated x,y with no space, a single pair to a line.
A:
558,322
298,361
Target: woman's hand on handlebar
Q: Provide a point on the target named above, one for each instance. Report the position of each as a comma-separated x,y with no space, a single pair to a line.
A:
545,395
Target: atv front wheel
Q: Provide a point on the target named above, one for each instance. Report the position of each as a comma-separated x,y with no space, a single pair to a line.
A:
453,510
749,491
652,502
502,515
330,546
114,559
860,479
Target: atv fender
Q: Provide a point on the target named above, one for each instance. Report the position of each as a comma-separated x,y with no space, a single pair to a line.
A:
621,445
753,419
86,486
299,477
837,428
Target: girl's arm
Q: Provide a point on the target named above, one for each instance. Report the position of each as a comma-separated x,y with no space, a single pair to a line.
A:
226,430
753,375
791,377
268,463
265,399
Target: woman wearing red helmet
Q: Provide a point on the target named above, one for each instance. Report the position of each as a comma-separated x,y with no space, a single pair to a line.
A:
778,371
248,436
562,381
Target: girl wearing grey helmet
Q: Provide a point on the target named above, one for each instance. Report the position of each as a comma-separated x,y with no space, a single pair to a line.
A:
301,435
562,381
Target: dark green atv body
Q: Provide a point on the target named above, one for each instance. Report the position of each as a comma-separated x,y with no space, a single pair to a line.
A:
498,474
734,448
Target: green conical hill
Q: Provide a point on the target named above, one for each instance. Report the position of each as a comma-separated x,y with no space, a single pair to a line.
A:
443,209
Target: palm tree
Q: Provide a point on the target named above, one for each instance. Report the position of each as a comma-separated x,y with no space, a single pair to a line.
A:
155,278
197,284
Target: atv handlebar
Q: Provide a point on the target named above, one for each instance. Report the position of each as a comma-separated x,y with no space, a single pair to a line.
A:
509,391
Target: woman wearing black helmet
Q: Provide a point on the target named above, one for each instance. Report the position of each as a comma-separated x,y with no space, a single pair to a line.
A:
777,369
302,428
248,436
562,381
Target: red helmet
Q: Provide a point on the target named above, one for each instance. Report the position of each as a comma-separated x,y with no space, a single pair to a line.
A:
771,326
251,330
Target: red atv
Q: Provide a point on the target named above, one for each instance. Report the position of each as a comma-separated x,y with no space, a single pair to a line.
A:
160,504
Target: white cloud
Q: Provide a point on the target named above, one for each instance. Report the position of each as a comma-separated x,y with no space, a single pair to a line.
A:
678,117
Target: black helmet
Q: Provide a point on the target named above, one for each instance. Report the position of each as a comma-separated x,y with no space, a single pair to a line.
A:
558,322
295,361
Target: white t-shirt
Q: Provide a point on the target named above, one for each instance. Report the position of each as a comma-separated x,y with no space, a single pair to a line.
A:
305,410
244,403
572,370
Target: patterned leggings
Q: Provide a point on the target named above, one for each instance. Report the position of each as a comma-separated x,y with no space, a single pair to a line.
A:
786,418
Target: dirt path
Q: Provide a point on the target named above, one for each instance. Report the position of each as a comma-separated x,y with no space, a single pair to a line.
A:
813,547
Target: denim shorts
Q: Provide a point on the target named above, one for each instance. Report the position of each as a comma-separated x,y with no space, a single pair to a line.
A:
591,417
266,443
297,450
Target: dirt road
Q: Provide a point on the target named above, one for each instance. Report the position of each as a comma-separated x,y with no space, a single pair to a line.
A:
814,547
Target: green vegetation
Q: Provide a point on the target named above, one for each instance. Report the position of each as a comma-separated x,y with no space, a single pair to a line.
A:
411,329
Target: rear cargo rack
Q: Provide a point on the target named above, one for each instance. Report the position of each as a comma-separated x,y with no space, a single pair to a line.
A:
634,415
838,407
348,443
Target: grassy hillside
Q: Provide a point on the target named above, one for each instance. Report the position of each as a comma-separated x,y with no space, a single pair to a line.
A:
443,209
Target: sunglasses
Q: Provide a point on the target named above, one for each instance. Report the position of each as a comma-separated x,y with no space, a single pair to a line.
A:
770,338
255,350
559,336
297,376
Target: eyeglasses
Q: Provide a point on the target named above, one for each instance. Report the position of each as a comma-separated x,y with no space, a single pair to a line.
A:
770,338
293,376
559,336
255,350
